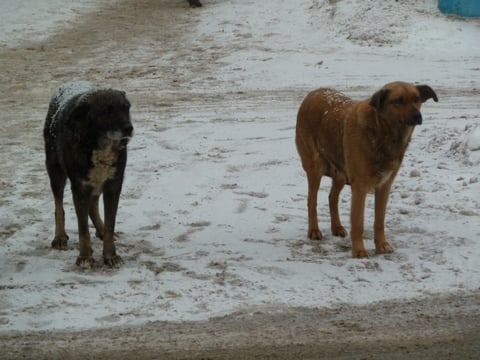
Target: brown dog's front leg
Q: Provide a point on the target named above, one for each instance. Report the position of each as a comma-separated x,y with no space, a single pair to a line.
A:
110,198
356,222
382,246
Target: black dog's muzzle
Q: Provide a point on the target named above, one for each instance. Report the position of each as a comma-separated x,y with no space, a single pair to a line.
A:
127,130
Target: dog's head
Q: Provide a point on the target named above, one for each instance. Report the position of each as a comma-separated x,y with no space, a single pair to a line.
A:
402,101
106,114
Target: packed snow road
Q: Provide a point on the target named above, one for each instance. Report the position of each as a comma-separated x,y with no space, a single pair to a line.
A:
431,328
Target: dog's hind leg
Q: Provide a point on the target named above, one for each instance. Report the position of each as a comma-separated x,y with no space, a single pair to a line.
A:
111,197
95,217
338,182
82,201
314,176
58,180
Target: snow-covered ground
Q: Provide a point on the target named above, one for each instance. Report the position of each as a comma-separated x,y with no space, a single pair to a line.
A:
213,213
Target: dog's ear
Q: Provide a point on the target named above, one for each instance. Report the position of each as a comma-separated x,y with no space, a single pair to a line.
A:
426,92
378,99
80,110
126,103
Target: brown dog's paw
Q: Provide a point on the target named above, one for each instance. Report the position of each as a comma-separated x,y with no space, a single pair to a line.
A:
85,262
383,248
359,254
60,242
113,261
339,231
315,234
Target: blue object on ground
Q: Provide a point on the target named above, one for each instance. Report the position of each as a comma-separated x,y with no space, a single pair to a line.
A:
460,7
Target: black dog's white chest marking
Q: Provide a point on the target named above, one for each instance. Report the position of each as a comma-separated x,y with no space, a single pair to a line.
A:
103,165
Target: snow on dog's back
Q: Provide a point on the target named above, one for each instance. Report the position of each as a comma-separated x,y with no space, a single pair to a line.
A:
69,90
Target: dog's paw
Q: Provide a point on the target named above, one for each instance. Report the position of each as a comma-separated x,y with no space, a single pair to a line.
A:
60,242
383,248
113,261
85,262
359,253
339,231
315,234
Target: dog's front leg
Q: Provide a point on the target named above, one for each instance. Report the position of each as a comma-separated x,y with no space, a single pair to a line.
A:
356,221
95,216
382,193
111,196
82,201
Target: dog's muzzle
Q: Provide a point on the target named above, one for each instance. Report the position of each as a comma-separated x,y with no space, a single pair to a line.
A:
416,119
122,135
124,141
127,131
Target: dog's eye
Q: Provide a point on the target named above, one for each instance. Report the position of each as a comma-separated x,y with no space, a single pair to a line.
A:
417,99
398,101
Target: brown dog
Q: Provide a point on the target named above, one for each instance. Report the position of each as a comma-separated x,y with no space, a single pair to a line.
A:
359,143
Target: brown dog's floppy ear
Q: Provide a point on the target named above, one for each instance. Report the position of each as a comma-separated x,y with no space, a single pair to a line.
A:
426,92
379,98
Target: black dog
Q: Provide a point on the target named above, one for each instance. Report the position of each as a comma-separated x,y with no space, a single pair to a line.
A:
86,134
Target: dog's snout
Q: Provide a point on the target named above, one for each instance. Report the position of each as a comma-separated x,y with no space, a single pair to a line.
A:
127,129
416,119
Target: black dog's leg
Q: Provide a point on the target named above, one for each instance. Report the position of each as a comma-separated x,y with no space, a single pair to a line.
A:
95,216
111,197
82,202
58,179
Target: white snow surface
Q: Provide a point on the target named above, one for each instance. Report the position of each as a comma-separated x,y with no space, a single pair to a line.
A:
473,139
213,215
